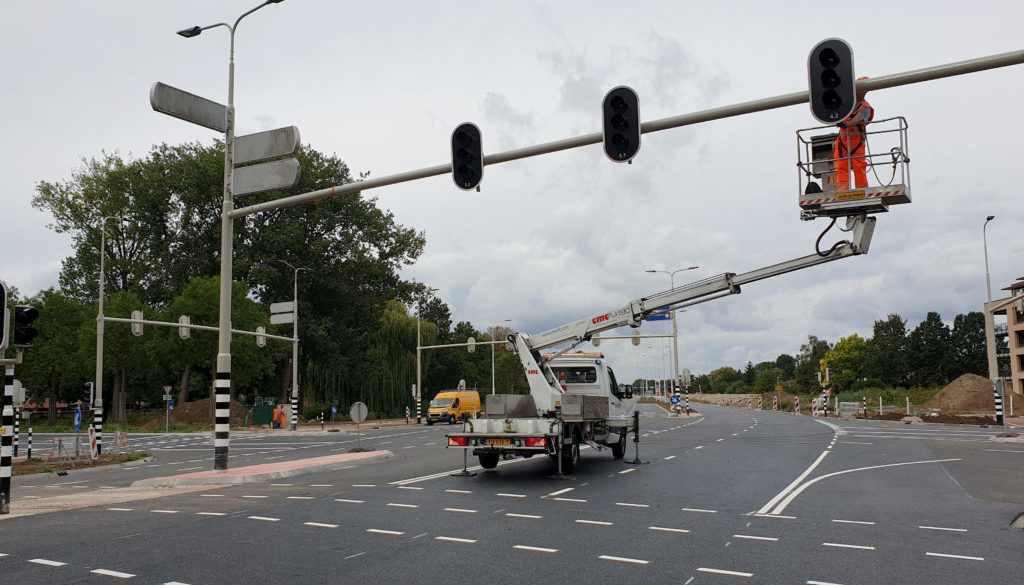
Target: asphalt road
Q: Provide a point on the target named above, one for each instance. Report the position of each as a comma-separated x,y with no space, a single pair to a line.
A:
735,496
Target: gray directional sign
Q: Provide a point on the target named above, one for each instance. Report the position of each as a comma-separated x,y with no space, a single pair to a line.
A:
189,107
278,174
266,145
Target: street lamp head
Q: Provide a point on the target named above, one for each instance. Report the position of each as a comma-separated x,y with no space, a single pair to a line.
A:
190,32
990,218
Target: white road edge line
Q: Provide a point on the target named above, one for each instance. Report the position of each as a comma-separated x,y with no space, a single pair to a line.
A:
765,508
724,572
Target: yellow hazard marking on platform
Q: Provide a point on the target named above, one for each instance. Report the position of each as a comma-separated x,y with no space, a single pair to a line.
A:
848,195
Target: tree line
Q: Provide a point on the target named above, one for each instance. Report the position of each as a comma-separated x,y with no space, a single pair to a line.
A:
932,354
161,248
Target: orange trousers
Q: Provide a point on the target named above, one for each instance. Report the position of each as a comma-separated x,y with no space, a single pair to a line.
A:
848,151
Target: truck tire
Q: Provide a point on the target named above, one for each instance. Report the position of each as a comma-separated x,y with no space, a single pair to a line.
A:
619,448
571,454
488,460
430,422
451,419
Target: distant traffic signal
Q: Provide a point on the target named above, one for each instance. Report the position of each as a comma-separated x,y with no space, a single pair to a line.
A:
3,317
621,123
831,81
24,331
467,156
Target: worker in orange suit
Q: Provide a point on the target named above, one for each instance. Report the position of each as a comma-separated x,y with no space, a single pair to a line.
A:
848,149
275,421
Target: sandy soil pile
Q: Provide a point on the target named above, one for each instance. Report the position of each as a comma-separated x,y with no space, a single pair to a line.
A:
198,412
967,394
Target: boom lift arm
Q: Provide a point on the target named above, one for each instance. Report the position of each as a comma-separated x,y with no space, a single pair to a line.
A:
545,387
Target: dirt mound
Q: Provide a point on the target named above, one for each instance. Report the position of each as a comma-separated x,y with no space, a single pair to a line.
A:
941,418
198,412
967,394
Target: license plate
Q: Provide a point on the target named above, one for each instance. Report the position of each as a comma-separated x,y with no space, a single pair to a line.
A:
497,441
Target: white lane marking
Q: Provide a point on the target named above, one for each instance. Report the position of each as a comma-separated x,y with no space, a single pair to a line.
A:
264,518
428,444
316,484
47,562
409,487
453,539
211,513
110,573
164,511
719,440
535,548
388,532
623,560
594,522
299,498
853,546
527,516
1005,450
459,491
663,529
854,522
700,510
559,492
403,505
211,495
749,537
789,499
460,510
354,556
856,443
321,525
364,485
256,497
269,458
630,470
775,516
503,495
410,447
948,556
765,508
350,501
821,583
670,457
280,485
698,447
629,505
186,468
941,528
576,500
725,572
120,509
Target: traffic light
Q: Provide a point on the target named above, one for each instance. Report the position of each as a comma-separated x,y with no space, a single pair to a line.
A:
24,331
831,81
621,123
467,157
3,318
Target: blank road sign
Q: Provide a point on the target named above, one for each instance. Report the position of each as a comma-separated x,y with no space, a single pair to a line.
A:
268,176
189,107
266,145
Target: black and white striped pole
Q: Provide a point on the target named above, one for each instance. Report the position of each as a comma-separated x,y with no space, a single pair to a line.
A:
997,389
5,441
17,429
97,425
29,453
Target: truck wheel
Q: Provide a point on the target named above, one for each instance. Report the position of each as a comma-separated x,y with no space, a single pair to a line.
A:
571,455
619,448
451,419
488,460
430,422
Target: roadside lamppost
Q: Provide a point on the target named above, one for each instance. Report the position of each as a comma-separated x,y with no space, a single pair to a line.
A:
96,391
990,328
222,384
493,330
672,315
295,345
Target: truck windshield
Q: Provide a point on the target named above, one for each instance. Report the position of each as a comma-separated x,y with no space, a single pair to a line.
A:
440,403
576,374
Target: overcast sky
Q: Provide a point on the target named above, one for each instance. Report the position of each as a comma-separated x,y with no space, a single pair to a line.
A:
560,237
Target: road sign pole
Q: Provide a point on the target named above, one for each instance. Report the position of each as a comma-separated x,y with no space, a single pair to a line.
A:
5,441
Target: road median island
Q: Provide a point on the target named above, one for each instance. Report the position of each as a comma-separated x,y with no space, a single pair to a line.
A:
263,472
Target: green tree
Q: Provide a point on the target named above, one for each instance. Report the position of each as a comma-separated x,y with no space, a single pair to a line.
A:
968,350
886,357
722,379
845,362
807,364
786,364
929,352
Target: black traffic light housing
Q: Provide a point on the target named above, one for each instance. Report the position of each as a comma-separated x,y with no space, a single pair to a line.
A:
621,123
831,81
24,331
467,157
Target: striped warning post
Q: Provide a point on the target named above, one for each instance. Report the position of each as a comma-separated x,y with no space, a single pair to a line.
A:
17,429
29,443
295,410
222,419
5,441
999,401
93,446
814,408
775,402
759,402
749,403
97,424
796,405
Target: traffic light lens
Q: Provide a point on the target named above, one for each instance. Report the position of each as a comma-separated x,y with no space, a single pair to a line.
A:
466,174
620,141
464,140
832,100
619,123
619,105
463,155
828,58
830,79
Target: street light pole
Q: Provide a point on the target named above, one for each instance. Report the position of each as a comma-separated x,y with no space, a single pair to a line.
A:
96,392
672,316
990,328
419,352
295,346
494,329
222,384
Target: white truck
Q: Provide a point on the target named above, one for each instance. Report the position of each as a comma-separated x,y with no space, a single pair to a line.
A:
574,397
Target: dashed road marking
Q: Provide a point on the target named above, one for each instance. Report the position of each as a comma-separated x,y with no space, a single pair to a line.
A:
698,447
664,529
725,572
750,537
527,516
410,487
120,509
670,457
459,491
364,485
110,573
318,485
47,562
393,505
164,511
594,522
460,510
343,501
629,505
625,471
454,539
574,500
211,495
264,519
623,560
560,492
941,528
211,513
256,497
321,525
388,532
700,510
853,546
949,556
854,522
299,498
504,495
535,548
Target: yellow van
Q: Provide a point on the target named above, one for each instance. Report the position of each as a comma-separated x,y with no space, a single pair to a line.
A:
453,405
